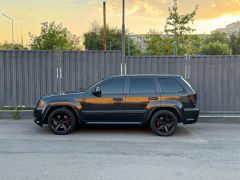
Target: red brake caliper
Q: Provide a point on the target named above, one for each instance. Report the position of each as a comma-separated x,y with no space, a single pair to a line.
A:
157,124
66,120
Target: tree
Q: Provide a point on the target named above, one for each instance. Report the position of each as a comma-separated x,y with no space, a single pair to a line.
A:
218,36
93,40
54,37
157,44
191,44
8,46
178,25
216,48
234,43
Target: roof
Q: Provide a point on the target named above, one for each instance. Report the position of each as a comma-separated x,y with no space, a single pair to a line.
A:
152,75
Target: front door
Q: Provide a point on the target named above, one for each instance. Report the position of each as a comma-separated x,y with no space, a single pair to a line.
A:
110,105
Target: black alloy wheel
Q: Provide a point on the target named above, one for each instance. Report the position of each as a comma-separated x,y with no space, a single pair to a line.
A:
164,123
61,121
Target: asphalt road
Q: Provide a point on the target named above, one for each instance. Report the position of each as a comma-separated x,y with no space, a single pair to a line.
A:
200,151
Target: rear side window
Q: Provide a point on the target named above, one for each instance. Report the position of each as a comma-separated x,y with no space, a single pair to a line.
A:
170,85
142,85
113,86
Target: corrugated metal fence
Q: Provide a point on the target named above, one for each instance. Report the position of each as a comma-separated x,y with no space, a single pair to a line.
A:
27,75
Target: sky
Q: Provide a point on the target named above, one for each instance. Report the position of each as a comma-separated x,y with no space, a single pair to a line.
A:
141,15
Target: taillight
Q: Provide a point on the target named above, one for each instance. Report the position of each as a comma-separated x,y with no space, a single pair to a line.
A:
193,99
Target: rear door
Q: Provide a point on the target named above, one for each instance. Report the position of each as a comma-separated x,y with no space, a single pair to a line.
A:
141,91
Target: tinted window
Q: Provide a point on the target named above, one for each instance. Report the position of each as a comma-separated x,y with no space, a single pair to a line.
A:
113,86
170,86
142,85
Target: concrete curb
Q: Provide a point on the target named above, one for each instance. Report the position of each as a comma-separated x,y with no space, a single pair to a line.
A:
204,118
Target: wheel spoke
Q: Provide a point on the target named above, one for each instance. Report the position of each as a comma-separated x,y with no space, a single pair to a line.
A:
166,129
64,127
58,126
161,127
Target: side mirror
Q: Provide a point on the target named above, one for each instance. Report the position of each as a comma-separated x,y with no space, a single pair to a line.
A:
97,92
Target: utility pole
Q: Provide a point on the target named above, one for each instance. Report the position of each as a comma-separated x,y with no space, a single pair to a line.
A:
12,29
123,64
21,36
104,27
175,34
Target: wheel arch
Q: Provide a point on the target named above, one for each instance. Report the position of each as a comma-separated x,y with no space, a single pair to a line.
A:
54,107
174,110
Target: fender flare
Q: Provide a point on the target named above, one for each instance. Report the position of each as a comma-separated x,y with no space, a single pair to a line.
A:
48,110
176,110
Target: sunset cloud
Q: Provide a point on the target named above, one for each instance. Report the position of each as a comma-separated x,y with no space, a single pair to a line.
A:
141,15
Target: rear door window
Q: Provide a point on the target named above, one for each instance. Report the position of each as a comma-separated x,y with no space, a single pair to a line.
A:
170,85
142,85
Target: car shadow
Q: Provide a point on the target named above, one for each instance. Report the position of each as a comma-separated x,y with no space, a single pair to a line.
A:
114,130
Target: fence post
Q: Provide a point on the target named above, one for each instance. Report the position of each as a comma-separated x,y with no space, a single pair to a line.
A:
59,70
187,67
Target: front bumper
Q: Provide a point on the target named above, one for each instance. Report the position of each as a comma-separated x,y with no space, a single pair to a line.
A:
38,116
190,115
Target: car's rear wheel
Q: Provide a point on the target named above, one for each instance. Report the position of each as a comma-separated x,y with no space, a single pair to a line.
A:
164,123
61,121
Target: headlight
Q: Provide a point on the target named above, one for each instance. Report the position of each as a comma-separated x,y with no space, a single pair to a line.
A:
41,103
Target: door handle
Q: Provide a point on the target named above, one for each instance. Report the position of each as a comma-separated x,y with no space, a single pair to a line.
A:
117,99
152,98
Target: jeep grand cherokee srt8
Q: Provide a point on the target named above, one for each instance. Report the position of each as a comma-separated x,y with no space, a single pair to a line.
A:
162,101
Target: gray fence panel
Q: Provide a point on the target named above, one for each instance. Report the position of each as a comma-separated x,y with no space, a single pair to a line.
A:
156,65
216,79
82,68
26,76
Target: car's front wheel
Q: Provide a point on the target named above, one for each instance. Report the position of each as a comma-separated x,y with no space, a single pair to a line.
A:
61,121
164,123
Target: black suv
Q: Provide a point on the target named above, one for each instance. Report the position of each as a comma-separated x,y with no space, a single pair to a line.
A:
162,101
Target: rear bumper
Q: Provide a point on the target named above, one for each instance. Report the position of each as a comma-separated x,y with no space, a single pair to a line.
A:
190,115
38,116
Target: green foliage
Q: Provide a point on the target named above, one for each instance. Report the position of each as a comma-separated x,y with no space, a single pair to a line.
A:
178,25
54,37
157,44
234,43
215,48
190,44
93,40
8,46
16,114
220,37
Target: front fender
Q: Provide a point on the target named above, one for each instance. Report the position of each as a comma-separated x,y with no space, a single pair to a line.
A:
68,103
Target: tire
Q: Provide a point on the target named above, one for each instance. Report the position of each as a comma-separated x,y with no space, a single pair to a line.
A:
61,121
164,123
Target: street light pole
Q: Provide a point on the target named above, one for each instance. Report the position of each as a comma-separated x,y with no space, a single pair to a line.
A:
12,29
123,63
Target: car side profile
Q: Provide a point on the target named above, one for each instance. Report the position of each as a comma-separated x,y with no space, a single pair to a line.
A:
161,101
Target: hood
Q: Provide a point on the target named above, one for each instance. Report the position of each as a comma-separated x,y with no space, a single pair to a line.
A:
63,95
